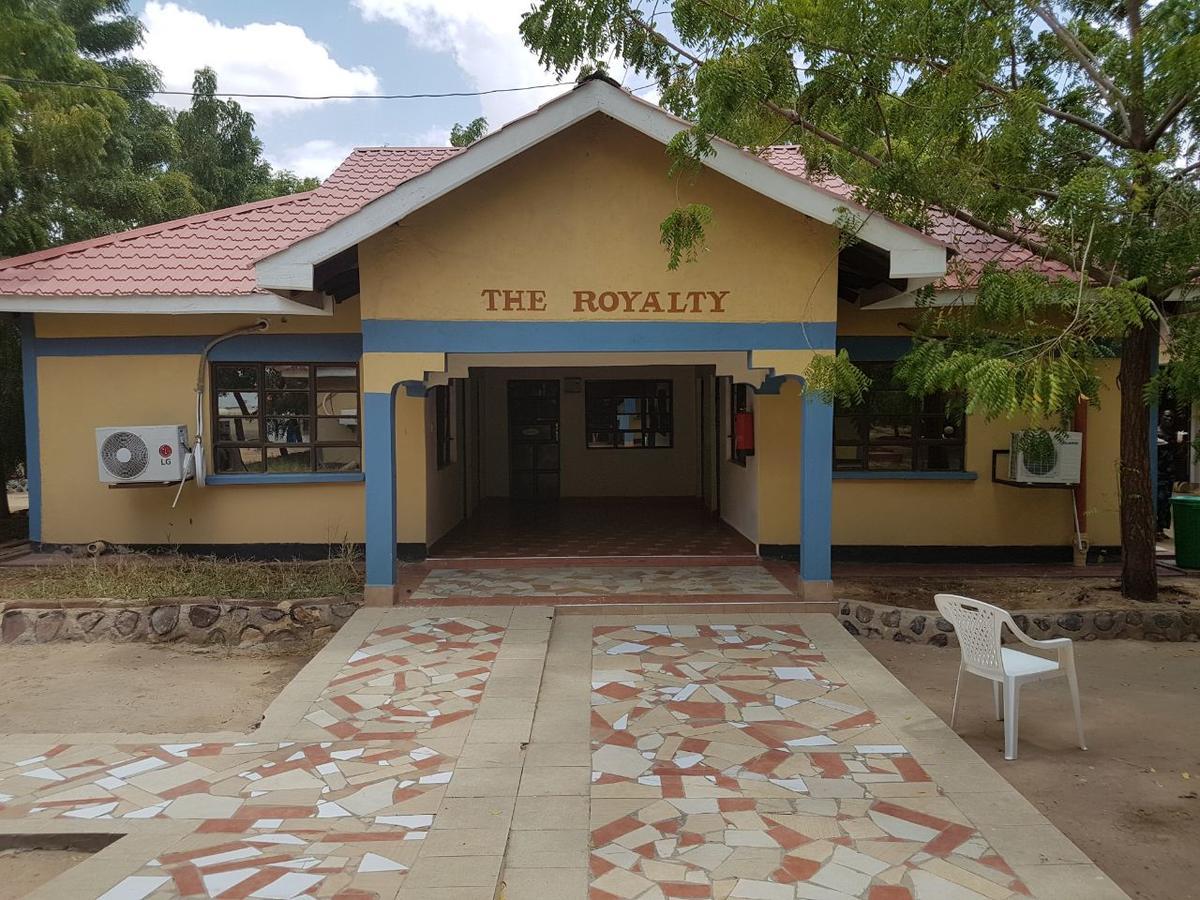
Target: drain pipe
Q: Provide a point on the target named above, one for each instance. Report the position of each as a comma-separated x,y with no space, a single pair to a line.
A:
1079,551
195,461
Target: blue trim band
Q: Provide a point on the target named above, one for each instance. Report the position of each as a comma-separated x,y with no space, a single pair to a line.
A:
816,489
407,336
866,348
291,478
379,458
245,348
33,443
905,476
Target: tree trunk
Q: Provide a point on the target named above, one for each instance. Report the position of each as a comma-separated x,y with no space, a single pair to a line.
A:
1139,578
4,510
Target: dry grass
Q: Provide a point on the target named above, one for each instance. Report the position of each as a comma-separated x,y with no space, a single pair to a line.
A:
138,577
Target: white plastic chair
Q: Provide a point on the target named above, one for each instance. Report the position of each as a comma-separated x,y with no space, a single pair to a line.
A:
979,627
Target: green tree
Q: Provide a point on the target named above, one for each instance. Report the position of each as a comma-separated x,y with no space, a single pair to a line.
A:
85,151
465,135
220,153
1070,129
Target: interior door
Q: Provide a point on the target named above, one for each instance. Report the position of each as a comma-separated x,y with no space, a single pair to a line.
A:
533,434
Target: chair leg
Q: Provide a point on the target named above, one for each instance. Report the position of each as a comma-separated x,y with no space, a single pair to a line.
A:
1073,682
998,699
957,685
1012,695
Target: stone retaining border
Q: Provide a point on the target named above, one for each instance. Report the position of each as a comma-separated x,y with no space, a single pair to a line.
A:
919,626
189,620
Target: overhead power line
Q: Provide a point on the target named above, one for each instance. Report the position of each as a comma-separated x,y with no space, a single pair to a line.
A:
236,95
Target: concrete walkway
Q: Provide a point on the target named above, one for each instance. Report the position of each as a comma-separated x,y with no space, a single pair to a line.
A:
487,751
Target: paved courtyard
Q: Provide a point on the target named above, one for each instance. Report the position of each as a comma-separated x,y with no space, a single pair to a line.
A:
478,751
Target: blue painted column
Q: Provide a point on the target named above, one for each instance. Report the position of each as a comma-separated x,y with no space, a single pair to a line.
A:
33,452
379,464
816,489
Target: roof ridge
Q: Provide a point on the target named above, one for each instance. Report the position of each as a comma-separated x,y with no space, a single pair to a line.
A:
143,230
409,147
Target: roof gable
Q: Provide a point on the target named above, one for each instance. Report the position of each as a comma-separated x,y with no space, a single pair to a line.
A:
912,254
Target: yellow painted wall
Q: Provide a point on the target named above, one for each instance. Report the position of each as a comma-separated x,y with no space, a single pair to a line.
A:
978,513
79,394
581,211
777,434
345,319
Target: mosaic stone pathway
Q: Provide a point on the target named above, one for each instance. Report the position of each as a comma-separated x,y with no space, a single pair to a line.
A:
424,755
733,761
341,817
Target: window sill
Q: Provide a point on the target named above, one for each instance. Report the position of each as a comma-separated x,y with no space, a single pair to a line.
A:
290,478
905,476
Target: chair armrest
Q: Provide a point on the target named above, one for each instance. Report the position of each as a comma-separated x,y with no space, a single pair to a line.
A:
1059,644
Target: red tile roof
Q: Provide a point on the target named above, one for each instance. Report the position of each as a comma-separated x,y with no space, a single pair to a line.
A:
214,253
973,248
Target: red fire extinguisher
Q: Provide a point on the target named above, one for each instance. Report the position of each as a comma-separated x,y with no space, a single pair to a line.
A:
743,432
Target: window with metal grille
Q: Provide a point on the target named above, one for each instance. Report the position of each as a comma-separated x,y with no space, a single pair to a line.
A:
629,414
892,431
286,418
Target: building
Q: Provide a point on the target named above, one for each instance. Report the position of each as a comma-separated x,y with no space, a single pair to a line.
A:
451,332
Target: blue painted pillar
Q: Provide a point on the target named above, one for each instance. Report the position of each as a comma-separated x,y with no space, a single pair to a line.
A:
816,489
379,464
33,452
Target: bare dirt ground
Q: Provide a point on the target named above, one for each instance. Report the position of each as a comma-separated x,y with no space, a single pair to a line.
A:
1013,593
21,871
75,687
1130,802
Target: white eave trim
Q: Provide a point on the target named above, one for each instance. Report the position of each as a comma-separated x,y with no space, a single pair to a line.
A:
908,300
912,254
167,304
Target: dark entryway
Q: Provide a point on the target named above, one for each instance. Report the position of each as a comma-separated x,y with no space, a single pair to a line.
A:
592,528
533,435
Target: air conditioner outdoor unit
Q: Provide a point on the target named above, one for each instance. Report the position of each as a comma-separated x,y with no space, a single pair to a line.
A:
1055,460
142,454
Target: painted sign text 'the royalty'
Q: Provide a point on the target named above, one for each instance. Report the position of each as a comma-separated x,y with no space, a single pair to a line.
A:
645,302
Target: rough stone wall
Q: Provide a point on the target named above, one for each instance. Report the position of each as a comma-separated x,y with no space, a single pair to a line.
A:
915,626
192,620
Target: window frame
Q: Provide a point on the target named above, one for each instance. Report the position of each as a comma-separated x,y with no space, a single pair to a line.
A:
647,392
862,414
313,445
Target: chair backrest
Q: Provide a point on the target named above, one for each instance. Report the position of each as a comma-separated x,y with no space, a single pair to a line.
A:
978,626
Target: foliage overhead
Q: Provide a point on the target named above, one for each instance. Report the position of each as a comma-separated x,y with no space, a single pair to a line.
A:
1068,128
465,135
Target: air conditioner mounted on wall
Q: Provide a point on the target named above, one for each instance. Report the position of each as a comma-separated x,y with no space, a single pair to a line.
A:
142,454
1056,459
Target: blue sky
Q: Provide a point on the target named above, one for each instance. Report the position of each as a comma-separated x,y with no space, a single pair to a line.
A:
349,47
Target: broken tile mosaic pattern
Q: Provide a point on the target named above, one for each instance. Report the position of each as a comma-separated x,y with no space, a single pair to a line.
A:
734,762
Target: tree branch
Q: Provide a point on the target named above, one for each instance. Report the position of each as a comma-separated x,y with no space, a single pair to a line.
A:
1086,59
1168,119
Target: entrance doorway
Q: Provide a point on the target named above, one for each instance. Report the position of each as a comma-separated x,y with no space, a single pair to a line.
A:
533,436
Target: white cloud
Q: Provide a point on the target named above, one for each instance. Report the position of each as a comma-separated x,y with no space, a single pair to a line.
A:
312,158
485,44
273,58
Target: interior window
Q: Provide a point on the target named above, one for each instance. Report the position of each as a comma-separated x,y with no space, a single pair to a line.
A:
285,418
892,431
629,414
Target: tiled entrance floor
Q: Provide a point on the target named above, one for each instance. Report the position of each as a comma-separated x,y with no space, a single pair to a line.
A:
593,581
605,527
506,751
